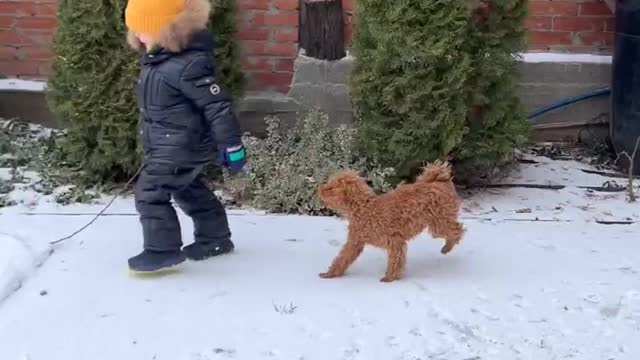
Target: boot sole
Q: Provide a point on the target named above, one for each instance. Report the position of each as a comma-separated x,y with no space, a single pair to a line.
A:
155,273
169,269
210,256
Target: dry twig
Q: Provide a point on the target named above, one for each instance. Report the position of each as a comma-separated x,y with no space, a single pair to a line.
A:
632,159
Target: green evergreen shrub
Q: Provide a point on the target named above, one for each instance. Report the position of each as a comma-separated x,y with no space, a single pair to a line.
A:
496,120
227,50
436,79
91,90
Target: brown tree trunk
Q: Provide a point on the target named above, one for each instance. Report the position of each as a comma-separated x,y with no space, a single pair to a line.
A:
322,29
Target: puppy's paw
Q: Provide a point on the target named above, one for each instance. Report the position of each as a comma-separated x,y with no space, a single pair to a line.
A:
447,248
388,279
328,275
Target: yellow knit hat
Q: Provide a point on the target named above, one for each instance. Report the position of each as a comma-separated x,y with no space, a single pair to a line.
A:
151,16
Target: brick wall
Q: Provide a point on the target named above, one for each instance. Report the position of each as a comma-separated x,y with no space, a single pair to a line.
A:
268,31
26,29
582,26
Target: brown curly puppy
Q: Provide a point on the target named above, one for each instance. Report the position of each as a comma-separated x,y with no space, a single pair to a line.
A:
389,221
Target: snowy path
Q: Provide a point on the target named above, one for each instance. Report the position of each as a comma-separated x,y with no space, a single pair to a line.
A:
512,290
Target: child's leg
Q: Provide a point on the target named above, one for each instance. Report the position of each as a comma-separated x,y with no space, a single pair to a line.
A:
211,226
209,216
160,226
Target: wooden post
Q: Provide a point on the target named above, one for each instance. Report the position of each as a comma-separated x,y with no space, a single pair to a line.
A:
322,29
612,5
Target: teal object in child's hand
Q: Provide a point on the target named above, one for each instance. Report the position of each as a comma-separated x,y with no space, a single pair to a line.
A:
234,158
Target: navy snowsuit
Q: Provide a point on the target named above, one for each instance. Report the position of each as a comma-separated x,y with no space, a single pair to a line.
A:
186,117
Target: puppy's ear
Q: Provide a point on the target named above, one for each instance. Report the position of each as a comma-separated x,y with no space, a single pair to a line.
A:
356,185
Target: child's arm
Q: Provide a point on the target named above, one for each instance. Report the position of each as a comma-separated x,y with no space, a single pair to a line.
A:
198,83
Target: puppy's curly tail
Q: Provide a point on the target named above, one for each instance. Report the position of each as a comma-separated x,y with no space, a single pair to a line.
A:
437,171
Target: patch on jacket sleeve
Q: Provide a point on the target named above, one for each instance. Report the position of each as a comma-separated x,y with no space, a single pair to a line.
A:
209,83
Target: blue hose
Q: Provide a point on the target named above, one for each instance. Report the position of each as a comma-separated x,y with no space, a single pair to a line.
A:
569,101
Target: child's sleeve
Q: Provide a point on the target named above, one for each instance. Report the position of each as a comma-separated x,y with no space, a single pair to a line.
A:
198,83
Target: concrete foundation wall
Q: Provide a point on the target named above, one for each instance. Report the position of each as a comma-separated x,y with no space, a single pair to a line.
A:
324,85
545,83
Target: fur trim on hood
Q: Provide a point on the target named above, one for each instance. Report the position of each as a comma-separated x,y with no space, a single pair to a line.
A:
177,35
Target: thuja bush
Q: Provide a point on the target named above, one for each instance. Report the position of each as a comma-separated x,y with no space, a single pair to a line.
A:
436,79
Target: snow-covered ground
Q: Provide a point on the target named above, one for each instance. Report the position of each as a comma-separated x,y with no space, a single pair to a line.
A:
563,287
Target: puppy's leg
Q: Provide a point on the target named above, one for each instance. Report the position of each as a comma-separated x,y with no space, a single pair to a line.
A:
451,231
396,261
349,253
